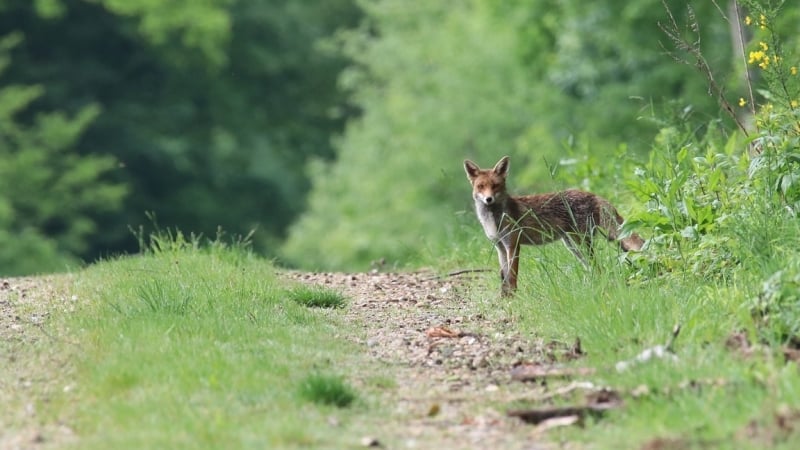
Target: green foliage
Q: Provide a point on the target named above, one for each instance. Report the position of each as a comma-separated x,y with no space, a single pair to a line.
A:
212,108
204,26
327,390
694,189
480,80
720,207
398,182
49,194
776,308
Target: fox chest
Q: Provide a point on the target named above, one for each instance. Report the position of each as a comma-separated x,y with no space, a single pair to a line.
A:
499,226
492,222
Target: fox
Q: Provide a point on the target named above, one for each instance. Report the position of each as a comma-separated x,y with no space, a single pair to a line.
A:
572,215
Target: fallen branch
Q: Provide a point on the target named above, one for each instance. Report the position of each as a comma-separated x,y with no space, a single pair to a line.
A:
538,415
463,271
456,273
597,402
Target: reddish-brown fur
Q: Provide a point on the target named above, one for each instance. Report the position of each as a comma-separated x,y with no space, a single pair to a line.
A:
510,221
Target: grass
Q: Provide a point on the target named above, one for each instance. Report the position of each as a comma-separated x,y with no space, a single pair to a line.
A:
713,396
327,390
192,346
316,297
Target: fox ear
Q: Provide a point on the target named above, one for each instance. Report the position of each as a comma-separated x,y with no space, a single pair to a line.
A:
501,168
471,168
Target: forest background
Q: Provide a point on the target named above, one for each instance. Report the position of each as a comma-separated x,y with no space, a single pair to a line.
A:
334,130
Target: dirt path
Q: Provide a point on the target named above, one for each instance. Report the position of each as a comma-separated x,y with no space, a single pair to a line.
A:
448,364
32,370
450,392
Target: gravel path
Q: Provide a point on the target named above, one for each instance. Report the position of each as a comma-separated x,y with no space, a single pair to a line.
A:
451,364
32,370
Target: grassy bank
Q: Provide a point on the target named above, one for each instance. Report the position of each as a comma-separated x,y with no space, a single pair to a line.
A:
725,383
190,347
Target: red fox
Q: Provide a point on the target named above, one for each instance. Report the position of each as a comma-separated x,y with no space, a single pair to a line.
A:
573,216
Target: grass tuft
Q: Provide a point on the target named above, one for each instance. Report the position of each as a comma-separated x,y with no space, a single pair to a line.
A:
327,390
317,297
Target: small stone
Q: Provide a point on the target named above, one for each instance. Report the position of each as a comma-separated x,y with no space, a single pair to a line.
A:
371,441
478,362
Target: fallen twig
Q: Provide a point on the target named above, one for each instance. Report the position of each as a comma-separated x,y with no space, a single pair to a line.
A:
538,415
463,271
597,402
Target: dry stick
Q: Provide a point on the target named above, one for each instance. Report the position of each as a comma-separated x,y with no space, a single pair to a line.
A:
455,274
739,33
700,61
541,414
463,271
749,81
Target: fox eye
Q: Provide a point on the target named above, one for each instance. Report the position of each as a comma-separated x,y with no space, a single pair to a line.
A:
480,186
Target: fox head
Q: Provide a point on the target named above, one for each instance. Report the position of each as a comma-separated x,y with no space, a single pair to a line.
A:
488,185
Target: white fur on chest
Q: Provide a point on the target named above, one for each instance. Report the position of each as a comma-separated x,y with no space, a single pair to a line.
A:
488,221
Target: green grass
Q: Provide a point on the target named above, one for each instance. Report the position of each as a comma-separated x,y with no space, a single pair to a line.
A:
316,297
190,347
327,390
711,397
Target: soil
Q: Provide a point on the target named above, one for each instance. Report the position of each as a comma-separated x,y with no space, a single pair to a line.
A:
32,370
446,365
451,364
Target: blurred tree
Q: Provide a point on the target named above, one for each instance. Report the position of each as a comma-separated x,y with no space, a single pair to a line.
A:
48,193
212,107
482,78
436,81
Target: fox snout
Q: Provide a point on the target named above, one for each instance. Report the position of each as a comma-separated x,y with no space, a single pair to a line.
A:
486,199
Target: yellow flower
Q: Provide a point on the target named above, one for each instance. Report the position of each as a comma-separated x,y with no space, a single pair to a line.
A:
764,64
742,102
794,103
793,70
763,46
762,21
756,56
747,20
